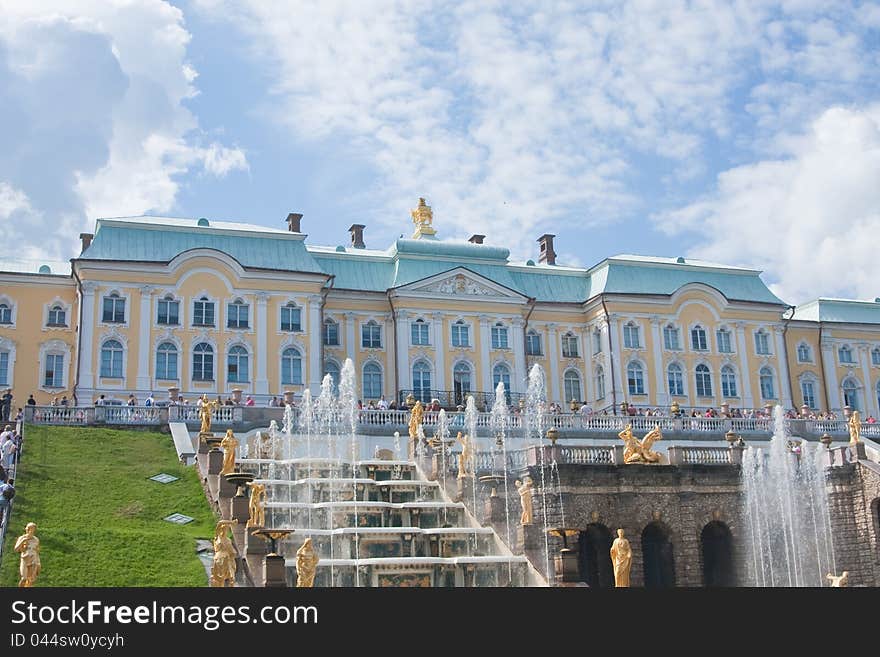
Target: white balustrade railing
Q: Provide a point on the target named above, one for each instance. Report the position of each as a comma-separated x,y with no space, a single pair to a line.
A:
220,415
130,415
587,455
59,414
705,455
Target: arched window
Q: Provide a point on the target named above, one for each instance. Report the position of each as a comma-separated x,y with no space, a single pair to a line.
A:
698,339
499,336
845,354
703,381
808,391
113,309
331,333
166,361
670,338
875,356
631,335
421,381
291,319
635,379
460,334
767,389
168,311
569,345
804,353
291,367
372,381
762,343
5,313
600,382
419,332
725,344
501,374
237,365
728,382
203,362
675,379
331,368
461,381
533,343
237,314
851,394
111,359
572,381
371,335
57,316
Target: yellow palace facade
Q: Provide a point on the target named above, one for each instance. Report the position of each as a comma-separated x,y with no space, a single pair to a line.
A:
154,304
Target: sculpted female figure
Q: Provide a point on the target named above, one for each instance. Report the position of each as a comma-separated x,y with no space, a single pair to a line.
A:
525,496
257,510
621,559
306,565
29,546
228,445
223,568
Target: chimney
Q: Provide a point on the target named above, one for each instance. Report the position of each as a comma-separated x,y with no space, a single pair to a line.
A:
476,239
547,254
357,236
293,220
86,240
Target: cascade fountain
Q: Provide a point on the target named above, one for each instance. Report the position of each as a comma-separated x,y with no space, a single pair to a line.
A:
536,406
788,521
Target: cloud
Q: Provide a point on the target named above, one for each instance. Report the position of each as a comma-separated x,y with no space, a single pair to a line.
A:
808,220
92,112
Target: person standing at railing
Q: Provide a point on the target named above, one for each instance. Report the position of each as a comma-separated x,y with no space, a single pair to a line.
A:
8,448
6,405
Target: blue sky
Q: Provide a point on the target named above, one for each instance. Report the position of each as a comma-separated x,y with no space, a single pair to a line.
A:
743,133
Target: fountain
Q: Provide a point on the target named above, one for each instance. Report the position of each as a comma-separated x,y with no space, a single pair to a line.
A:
536,403
787,515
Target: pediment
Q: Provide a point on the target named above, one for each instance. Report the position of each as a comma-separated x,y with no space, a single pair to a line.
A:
461,282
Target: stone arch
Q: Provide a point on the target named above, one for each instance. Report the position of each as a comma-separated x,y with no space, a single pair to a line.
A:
594,556
658,561
716,550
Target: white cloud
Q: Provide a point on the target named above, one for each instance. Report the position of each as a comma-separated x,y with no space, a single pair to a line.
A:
808,220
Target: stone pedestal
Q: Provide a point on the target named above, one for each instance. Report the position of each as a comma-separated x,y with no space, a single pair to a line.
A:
495,509
173,394
545,454
227,489
288,396
617,455
236,395
238,509
565,566
203,445
254,544
529,537
215,461
736,454
858,450
274,571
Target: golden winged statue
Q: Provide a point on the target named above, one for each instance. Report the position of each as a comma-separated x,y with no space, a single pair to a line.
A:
637,451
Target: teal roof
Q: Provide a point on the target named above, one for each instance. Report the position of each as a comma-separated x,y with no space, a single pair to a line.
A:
850,311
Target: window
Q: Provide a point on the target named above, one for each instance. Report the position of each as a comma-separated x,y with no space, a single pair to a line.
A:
166,361
725,344
704,381
203,312
114,309
111,359
501,374
762,343
371,335
332,368
331,332
499,336
237,365
728,381
372,381
597,341
461,381
460,336
631,336
419,332
237,315
765,376
53,376
809,393
635,379
203,362
57,316
533,343
421,381
291,367
4,368
169,311
569,346
675,379
291,320
875,356
600,383
851,394
878,393
804,353
572,384
698,339
5,314
670,338
846,355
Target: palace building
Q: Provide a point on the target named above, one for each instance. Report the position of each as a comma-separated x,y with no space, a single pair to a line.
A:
153,304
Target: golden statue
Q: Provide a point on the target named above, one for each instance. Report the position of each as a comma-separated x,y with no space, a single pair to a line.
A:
29,546
206,408
228,445
256,507
621,559
306,565
415,423
465,460
640,451
423,217
223,568
838,581
855,427
525,496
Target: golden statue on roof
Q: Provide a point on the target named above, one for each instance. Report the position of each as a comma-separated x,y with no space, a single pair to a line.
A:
423,217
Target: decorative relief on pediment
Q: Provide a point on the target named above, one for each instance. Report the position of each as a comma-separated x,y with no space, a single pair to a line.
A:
459,285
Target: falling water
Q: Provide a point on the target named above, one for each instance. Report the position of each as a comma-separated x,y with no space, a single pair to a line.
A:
325,407
535,415
787,509
306,418
348,412
470,423
443,436
500,423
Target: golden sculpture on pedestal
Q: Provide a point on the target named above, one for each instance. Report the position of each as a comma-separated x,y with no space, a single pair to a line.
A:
640,451
223,568
257,510
621,559
838,581
206,408
465,461
415,423
423,217
228,445
306,565
855,427
29,546
525,495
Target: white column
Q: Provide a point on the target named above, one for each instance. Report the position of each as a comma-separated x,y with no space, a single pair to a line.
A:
404,377
589,393
485,365
553,355
388,375
832,385
615,382
519,376
745,373
870,392
660,396
350,336
784,380
85,375
315,367
145,318
439,339
261,328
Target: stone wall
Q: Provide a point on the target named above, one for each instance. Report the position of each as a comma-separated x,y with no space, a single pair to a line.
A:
854,497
